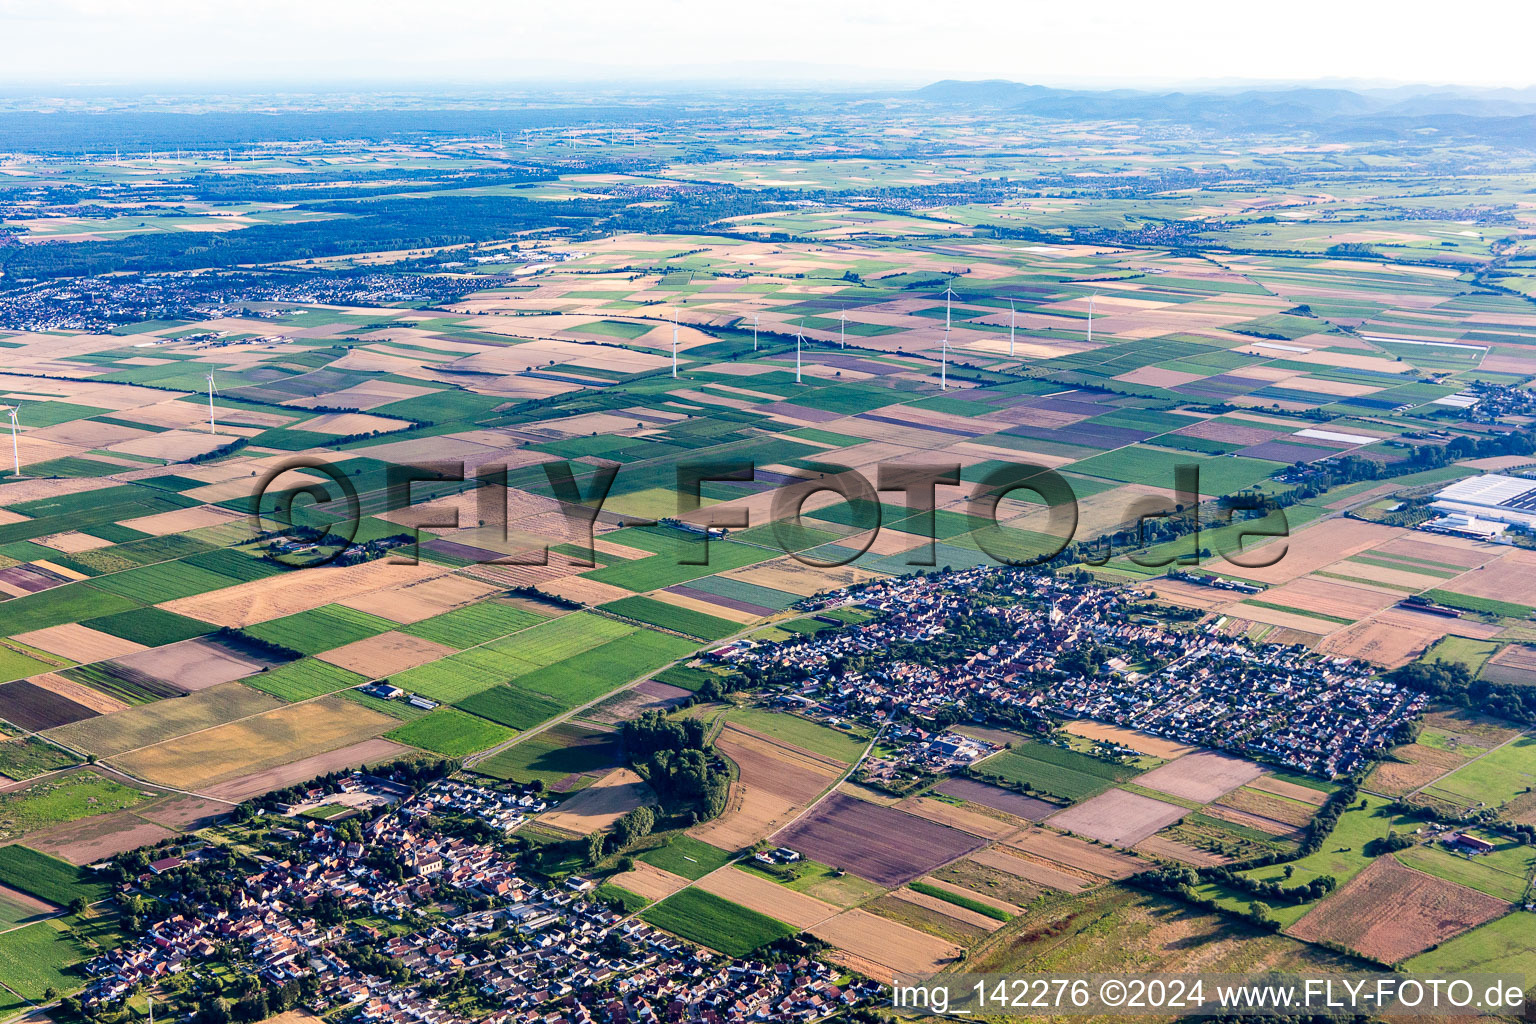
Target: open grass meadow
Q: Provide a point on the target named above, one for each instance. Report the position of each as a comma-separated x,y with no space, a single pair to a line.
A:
512,706
707,919
63,798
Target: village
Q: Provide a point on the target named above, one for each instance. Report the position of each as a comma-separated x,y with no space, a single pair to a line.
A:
486,944
1037,648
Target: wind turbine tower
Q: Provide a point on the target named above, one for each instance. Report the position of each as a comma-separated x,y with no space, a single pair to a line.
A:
674,344
754,332
1090,315
15,450
211,390
1012,326
842,329
797,353
944,361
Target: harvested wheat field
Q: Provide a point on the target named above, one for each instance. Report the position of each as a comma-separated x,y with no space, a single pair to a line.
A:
944,908
72,542
191,665
1117,816
1098,861
1279,787
583,591
1398,635
1313,548
755,892
79,643
1353,601
1514,574
185,813
797,578
1389,912
181,520
299,591
81,694
358,755
600,804
385,654
250,746
1275,828
881,948
648,881
421,598
1201,776
1144,742
1281,809
776,782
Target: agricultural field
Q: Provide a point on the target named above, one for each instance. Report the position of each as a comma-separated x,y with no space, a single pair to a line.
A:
882,844
711,921
582,315
1054,771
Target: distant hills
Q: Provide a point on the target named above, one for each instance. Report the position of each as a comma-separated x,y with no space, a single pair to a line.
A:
1505,113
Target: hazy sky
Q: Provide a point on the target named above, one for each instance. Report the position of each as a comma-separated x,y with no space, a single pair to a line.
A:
1105,42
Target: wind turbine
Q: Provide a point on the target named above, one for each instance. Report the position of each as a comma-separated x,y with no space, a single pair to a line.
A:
1012,325
15,451
797,353
211,389
842,329
949,293
944,361
674,343
754,332
1090,314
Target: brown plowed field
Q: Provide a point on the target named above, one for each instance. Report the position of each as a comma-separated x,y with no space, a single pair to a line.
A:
1390,912
997,798
882,844
96,839
358,754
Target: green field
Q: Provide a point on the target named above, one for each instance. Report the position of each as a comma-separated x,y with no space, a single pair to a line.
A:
1055,770
1504,946
686,856
62,799
15,665
1485,605
322,629
629,901
303,679
47,878
707,919
511,706
151,627
39,957
23,757
585,677
668,616
1504,873
1495,778
476,624
451,732
846,747
555,755
977,906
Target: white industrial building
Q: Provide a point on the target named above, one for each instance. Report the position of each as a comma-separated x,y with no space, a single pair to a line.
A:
1492,497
